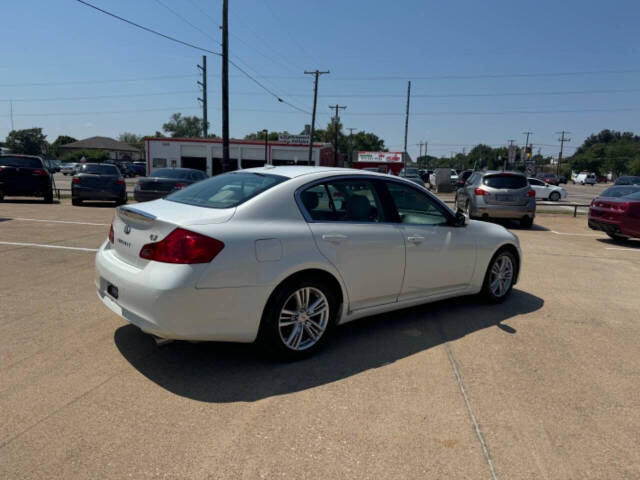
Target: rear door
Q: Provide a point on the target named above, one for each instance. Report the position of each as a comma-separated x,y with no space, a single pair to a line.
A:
347,219
542,191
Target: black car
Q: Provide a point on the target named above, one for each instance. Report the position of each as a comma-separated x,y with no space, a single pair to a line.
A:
25,176
126,168
164,181
98,181
140,169
628,180
463,177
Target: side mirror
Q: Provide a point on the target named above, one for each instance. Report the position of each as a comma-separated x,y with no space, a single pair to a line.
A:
461,219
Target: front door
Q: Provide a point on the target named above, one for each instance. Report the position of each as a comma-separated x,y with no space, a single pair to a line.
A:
347,221
440,257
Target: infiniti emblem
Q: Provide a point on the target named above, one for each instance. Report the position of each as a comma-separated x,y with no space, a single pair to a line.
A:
127,229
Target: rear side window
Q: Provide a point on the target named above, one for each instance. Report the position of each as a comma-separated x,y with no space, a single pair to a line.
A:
24,162
173,173
227,190
352,200
505,181
99,169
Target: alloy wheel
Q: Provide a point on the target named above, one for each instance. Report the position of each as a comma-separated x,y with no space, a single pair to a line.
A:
501,275
303,318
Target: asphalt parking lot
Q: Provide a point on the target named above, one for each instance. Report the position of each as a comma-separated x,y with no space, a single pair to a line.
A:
545,385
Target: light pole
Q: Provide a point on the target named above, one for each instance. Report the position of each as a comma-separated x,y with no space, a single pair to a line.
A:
266,146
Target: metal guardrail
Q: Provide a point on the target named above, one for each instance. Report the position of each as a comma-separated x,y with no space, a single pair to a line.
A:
550,204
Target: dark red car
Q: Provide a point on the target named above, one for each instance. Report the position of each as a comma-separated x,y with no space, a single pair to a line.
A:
617,212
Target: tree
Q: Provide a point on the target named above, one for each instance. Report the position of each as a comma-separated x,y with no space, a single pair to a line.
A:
259,135
130,138
607,151
179,126
30,141
61,140
366,141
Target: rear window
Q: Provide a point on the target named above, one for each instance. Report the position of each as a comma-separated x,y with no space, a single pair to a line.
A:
505,181
173,173
99,169
24,162
227,190
633,196
616,192
628,181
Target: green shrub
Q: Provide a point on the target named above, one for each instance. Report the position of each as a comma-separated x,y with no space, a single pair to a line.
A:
90,155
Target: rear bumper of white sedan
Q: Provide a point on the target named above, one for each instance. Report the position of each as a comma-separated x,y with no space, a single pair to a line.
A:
162,299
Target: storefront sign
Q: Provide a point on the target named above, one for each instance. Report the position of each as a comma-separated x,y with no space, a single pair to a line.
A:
294,139
383,157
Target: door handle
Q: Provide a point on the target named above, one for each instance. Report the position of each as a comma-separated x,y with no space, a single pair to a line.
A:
334,237
415,238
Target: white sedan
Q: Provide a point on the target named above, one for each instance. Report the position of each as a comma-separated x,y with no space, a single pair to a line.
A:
282,255
546,191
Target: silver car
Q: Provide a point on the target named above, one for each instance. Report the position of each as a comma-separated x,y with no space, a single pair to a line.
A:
498,194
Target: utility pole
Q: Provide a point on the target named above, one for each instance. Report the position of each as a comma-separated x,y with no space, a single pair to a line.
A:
317,74
526,144
203,100
266,146
351,129
562,139
11,113
406,127
426,159
335,133
225,84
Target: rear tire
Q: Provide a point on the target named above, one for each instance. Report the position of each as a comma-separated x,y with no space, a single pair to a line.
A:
617,237
501,272
298,319
48,198
554,197
75,201
526,222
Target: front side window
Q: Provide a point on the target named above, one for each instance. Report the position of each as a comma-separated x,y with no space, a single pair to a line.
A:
343,201
415,207
227,190
535,182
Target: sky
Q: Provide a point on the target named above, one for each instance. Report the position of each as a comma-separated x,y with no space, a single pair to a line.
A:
480,71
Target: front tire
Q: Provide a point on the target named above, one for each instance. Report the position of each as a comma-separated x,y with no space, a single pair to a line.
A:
298,319
498,281
48,197
75,201
526,222
617,237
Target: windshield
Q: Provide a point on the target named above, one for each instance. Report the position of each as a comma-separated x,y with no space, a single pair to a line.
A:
227,190
616,192
505,181
173,173
99,169
628,181
21,162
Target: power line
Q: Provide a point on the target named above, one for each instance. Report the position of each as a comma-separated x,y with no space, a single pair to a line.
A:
147,29
185,20
95,97
108,112
97,81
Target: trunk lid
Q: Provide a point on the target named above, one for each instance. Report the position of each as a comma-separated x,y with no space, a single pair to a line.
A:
506,189
98,181
134,227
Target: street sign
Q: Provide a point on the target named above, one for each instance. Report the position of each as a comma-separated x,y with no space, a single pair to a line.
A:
511,160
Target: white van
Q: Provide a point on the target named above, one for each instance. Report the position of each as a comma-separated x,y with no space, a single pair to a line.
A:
585,178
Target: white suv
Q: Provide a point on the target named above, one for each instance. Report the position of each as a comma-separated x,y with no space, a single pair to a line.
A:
584,178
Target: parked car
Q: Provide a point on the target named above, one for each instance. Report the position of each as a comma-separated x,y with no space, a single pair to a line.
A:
126,168
546,191
412,175
98,181
463,177
164,181
627,180
584,178
498,194
616,211
68,168
25,176
562,179
279,257
454,177
52,165
549,178
140,168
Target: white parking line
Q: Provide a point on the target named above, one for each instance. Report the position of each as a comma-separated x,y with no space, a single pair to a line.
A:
623,249
40,245
577,234
59,221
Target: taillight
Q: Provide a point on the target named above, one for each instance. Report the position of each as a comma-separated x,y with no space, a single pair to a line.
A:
183,246
76,180
111,234
622,206
40,172
120,181
531,193
178,186
480,192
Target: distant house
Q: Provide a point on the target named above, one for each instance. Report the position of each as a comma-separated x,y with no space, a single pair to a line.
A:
117,150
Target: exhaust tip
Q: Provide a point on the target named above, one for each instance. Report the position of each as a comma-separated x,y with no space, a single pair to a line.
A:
161,341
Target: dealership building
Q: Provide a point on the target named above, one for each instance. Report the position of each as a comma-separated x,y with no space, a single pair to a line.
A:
206,154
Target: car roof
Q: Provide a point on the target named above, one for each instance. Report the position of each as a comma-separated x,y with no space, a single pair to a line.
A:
508,172
293,171
181,169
